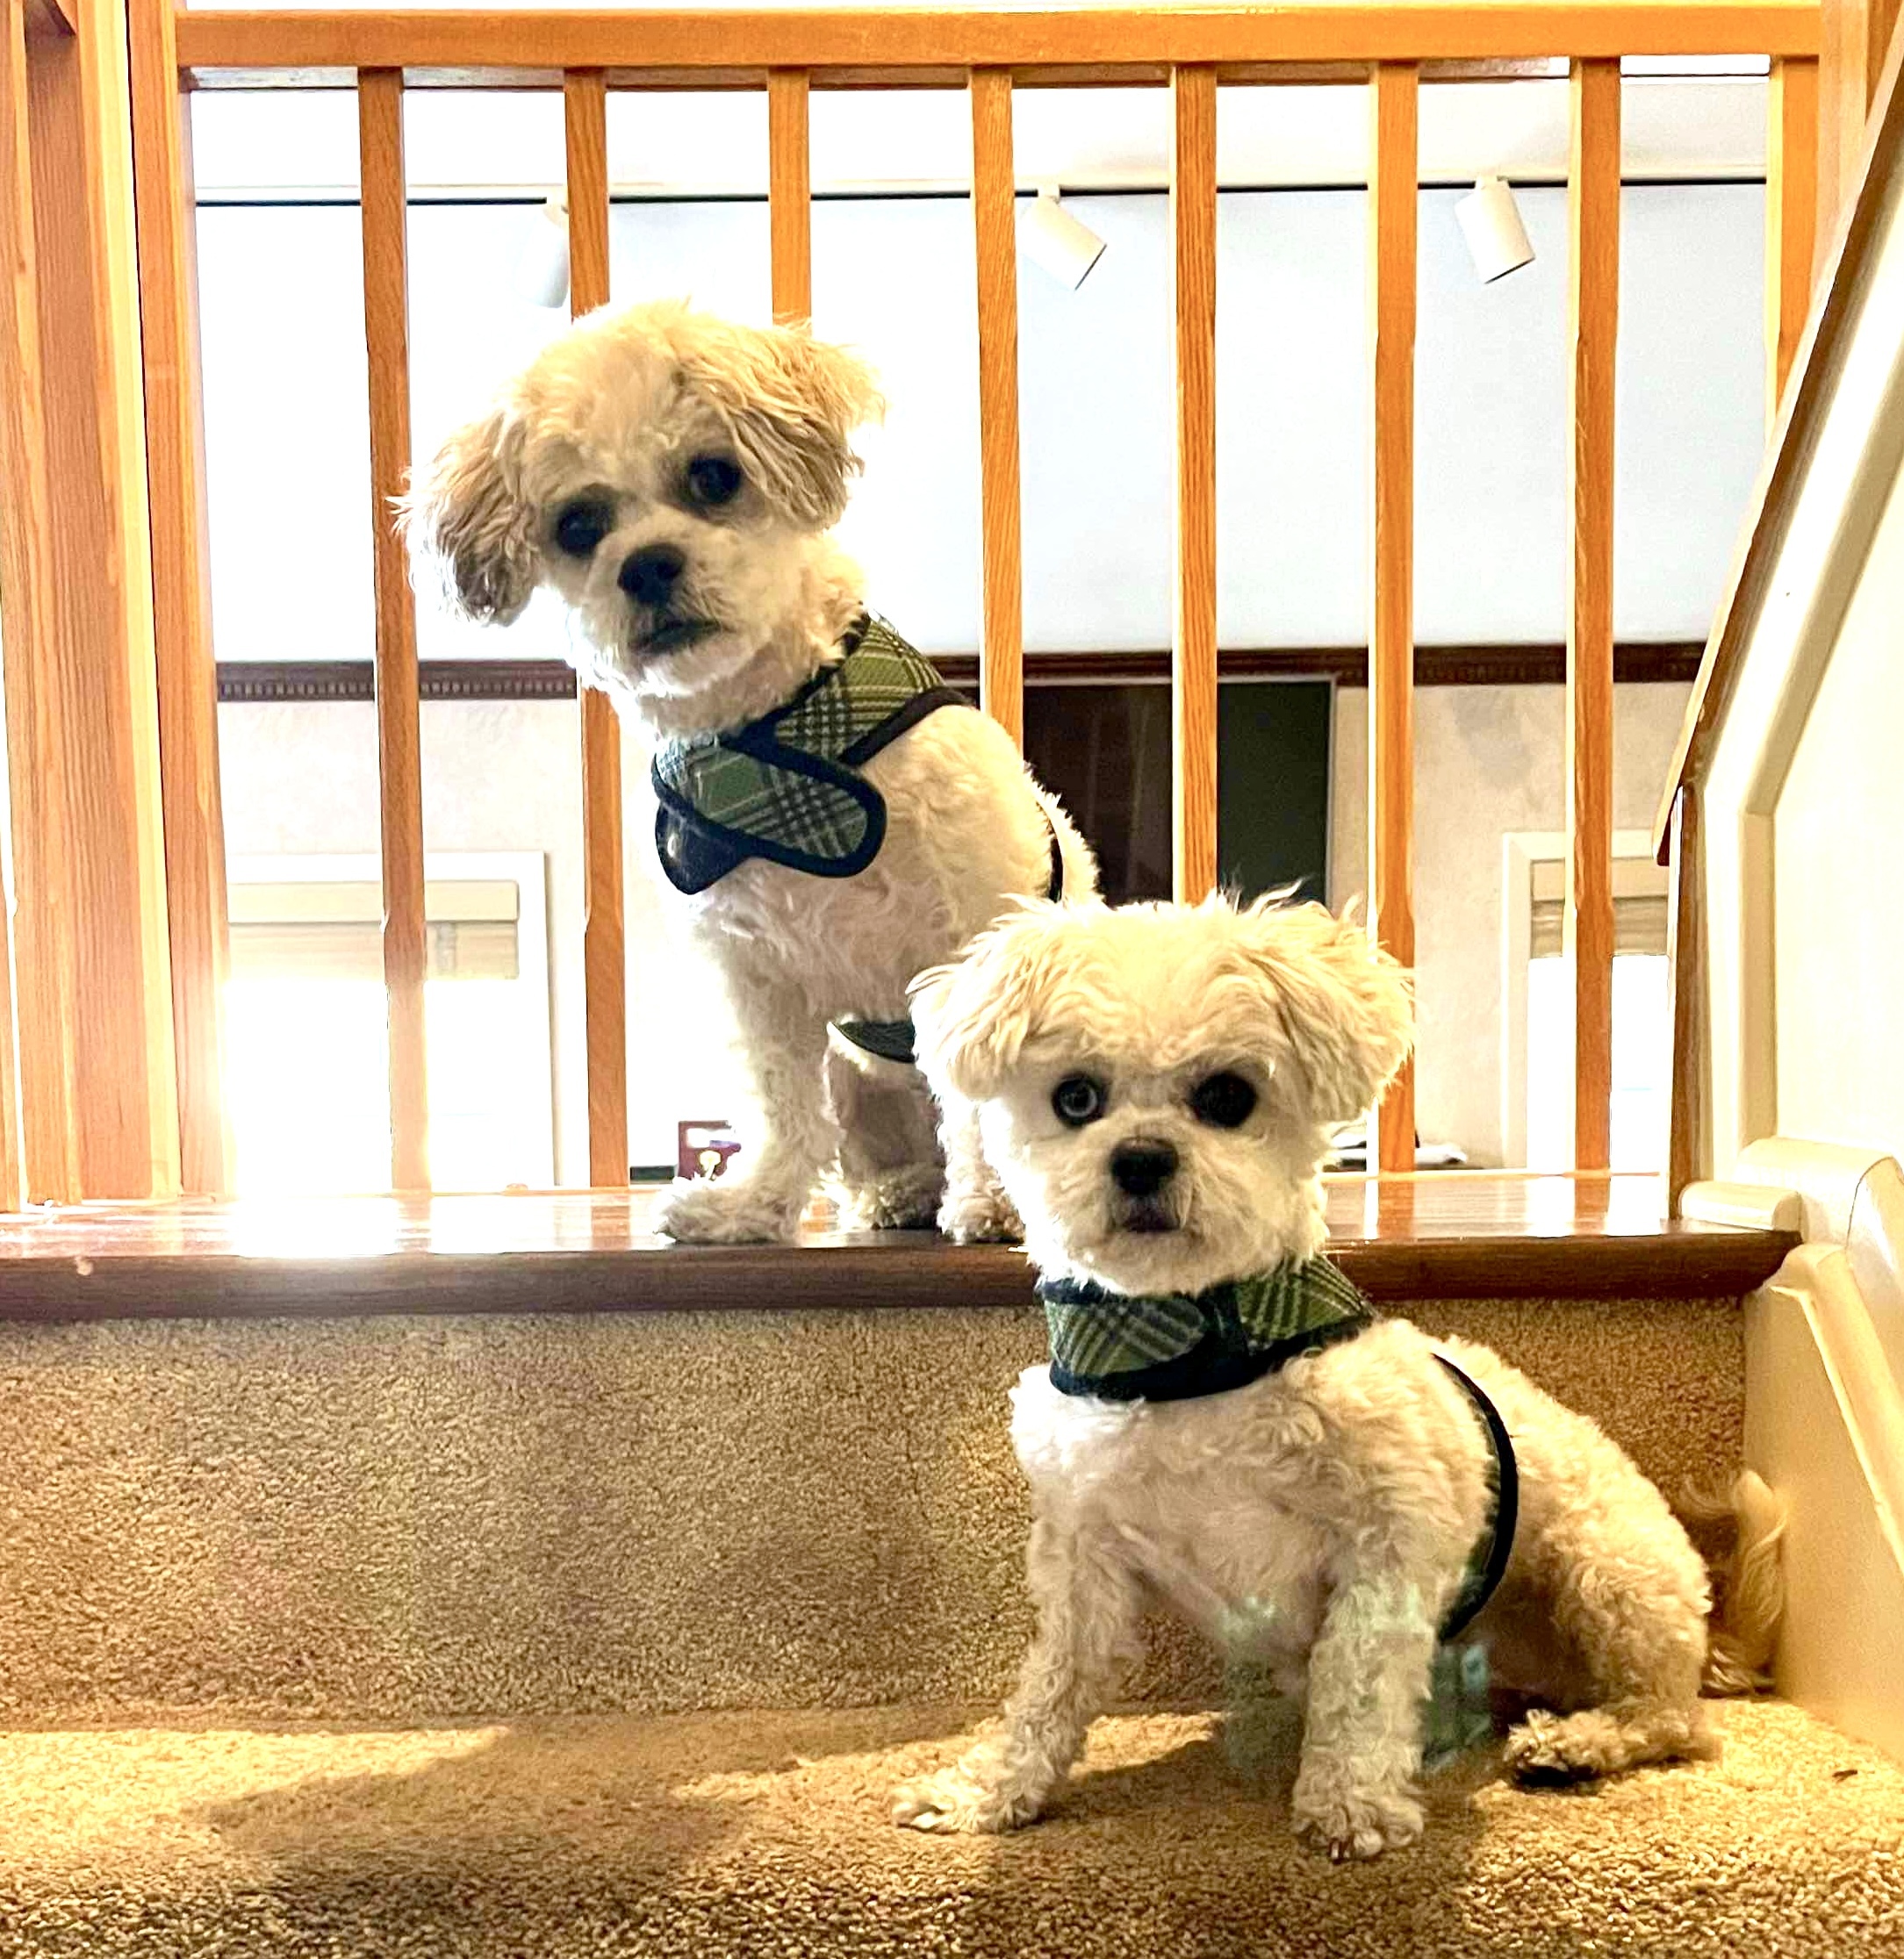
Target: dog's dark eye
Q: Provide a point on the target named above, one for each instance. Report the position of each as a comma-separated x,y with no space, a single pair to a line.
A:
581,526
1224,1101
1078,1100
714,480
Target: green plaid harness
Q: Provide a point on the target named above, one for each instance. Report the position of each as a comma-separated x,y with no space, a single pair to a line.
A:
787,787
1171,1346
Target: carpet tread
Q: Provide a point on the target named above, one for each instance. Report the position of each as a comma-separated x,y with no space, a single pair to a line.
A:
759,1834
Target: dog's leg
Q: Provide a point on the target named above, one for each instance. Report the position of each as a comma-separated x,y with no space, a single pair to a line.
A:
1632,1605
1087,1637
1355,1794
794,1135
976,1208
889,1176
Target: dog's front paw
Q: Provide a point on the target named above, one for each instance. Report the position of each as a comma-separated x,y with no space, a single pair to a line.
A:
1347,1823
903,1199
951,1800
709,1212
983,1215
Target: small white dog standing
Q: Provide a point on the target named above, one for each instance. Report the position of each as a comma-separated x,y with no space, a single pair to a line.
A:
674,477
1227,1431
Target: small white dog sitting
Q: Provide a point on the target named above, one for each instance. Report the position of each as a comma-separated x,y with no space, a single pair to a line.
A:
829,830
1225,1429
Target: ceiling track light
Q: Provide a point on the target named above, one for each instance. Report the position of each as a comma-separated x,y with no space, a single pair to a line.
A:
1064,246
1490,222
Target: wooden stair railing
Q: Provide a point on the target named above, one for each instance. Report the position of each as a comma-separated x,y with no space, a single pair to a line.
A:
164,1026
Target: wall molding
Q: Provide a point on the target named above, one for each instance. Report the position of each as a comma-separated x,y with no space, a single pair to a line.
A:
265,682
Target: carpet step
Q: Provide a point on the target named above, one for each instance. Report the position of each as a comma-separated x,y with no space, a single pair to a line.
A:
752,1835
403,1517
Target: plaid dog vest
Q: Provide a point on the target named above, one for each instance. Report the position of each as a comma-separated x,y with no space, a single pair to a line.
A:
1173,1347
787,787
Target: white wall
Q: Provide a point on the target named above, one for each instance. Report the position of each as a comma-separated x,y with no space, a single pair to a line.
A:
1488,760
1839,834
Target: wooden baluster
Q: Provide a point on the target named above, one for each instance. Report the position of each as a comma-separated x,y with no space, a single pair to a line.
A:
1791,216
98,691
13,1149
1394,95
1193,210
995,217
386,332
43,998
604,930
196,911
790,194
1593,204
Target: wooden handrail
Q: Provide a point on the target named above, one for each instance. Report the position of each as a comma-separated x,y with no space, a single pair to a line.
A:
1093,43
1801,414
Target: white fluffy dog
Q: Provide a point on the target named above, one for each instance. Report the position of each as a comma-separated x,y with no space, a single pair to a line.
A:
1156,1085
674,477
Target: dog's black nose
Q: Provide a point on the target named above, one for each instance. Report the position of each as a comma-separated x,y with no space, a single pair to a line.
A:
649,574
1141,1169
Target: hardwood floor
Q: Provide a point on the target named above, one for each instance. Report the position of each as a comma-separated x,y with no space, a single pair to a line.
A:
1441,1235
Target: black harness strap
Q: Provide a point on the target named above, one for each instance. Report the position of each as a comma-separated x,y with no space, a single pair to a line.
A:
893,1040
1483,1579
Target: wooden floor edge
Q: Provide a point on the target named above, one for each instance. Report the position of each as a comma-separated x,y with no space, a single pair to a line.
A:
922,1273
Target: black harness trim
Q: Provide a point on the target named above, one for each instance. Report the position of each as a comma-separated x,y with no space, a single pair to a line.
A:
1481,1583
893,1040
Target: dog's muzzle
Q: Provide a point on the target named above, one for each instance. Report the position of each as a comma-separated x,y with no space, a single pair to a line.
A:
1143,1169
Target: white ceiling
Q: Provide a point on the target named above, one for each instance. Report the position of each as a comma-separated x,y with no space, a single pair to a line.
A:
280,142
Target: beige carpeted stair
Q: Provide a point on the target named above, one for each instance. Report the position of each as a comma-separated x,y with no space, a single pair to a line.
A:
738,1836
396,1518
508,1559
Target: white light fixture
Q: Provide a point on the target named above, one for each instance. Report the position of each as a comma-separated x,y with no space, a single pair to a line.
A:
1491,223
1053,239
541,275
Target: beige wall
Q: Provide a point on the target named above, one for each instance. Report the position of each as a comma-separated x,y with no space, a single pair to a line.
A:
1488,761
1839,916
502,775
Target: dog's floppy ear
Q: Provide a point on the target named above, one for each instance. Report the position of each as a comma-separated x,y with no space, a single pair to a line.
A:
970,1018
468,517
1345,1005
791,404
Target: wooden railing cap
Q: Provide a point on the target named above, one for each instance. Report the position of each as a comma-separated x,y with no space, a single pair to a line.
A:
1090,41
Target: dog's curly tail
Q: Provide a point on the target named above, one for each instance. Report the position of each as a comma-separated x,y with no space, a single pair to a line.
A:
1751,1584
